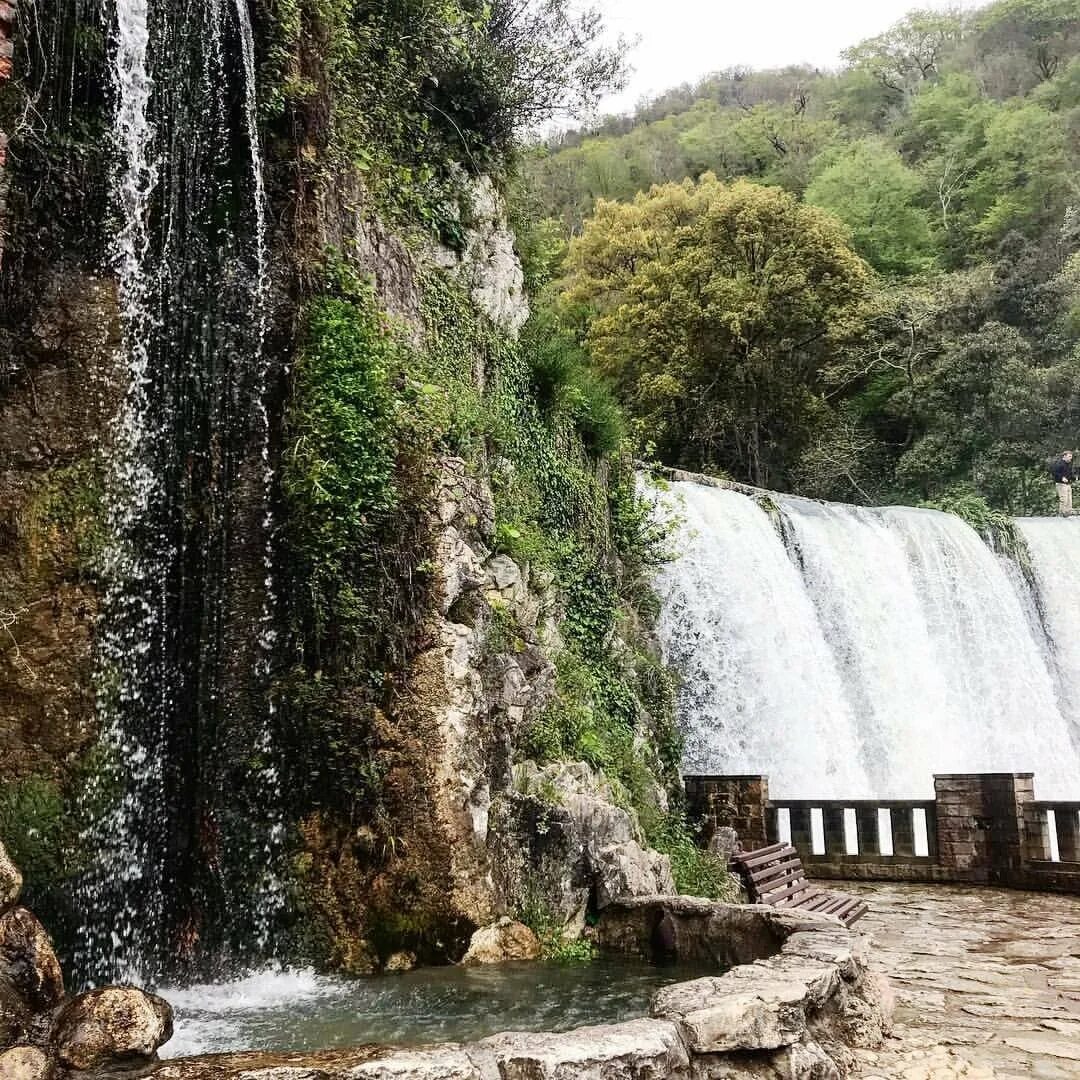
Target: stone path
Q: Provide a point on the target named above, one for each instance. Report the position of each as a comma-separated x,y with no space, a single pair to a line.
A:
987,982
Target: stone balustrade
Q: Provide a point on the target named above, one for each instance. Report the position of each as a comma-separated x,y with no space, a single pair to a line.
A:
979,828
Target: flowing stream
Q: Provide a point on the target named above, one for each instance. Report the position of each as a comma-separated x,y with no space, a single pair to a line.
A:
850,652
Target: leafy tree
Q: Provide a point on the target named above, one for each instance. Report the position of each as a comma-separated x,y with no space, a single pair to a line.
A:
910,52
714,308
870,189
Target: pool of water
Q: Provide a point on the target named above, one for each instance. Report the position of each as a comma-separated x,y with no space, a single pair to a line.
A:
283,1009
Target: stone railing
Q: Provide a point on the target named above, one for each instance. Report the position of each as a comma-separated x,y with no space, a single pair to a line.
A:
979,828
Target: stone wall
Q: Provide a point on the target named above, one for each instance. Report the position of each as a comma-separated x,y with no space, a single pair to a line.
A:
735,802
797,1001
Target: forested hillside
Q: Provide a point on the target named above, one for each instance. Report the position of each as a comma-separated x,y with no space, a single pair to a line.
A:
860,284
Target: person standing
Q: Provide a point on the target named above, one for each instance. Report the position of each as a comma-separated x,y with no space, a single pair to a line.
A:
1062,473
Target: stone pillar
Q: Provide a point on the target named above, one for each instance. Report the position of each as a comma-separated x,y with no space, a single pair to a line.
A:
981,822
737,802
7,54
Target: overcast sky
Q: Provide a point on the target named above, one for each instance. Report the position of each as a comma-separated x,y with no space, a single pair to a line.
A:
682,40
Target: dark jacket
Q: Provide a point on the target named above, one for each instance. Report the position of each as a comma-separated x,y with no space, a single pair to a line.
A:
1062,472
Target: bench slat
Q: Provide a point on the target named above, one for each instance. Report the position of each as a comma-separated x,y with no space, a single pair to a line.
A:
774,875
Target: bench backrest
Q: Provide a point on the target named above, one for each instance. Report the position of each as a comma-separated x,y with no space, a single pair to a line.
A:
772,874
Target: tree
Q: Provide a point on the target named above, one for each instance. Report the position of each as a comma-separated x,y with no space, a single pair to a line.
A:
713,309
911,51
1044,32
879,198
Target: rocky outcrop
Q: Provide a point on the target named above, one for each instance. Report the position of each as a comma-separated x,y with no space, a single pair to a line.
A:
583,848
41,1028
488,265
504,940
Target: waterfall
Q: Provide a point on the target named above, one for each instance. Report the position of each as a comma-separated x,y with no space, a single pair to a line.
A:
185,794
850,652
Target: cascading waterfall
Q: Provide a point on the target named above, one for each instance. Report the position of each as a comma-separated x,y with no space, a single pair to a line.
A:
187,787
851,652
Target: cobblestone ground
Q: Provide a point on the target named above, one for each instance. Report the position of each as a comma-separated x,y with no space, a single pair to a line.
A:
987,982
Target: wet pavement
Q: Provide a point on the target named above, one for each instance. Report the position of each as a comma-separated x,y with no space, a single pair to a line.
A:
987,982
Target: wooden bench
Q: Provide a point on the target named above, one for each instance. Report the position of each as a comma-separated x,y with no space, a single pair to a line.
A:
774,876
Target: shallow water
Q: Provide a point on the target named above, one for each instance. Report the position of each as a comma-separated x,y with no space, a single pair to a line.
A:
299,1010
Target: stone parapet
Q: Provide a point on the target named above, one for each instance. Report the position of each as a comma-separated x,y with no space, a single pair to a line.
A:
980,828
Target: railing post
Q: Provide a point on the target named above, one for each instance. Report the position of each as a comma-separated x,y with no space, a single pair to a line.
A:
866,822
801,834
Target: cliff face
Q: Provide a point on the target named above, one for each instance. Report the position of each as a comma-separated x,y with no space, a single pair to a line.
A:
390,600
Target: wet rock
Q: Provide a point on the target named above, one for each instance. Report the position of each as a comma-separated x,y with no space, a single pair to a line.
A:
28,962
114,1025
441,1063
23,1063
400,962
716,1016
637,1050
10,880
504,940
14,1017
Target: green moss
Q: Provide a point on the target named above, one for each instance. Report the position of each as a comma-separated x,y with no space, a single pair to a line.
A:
66,520
35,827
996,527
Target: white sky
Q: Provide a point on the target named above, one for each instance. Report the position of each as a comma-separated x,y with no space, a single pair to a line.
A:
682,40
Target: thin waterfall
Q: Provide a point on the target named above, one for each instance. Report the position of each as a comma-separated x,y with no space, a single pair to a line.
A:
851,652
187,785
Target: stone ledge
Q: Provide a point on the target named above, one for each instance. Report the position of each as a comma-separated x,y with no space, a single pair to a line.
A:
797,997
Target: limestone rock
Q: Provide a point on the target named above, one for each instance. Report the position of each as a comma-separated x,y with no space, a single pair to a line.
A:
504,572
590,844
23,1063
28,962
10,880
439,1063
112,1025
400,962
631,870
637,1050
504,940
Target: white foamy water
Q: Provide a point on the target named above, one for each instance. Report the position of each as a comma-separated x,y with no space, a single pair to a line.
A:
851,652
282,1009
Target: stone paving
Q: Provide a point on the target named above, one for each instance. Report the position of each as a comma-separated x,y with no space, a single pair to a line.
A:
987,982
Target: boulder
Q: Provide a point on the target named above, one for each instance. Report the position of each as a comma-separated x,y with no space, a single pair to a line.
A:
504,940
439,1063
636,1050
631,870
110,1026
23,1063
400,962
715,1017
28,962
14,1017
10,880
